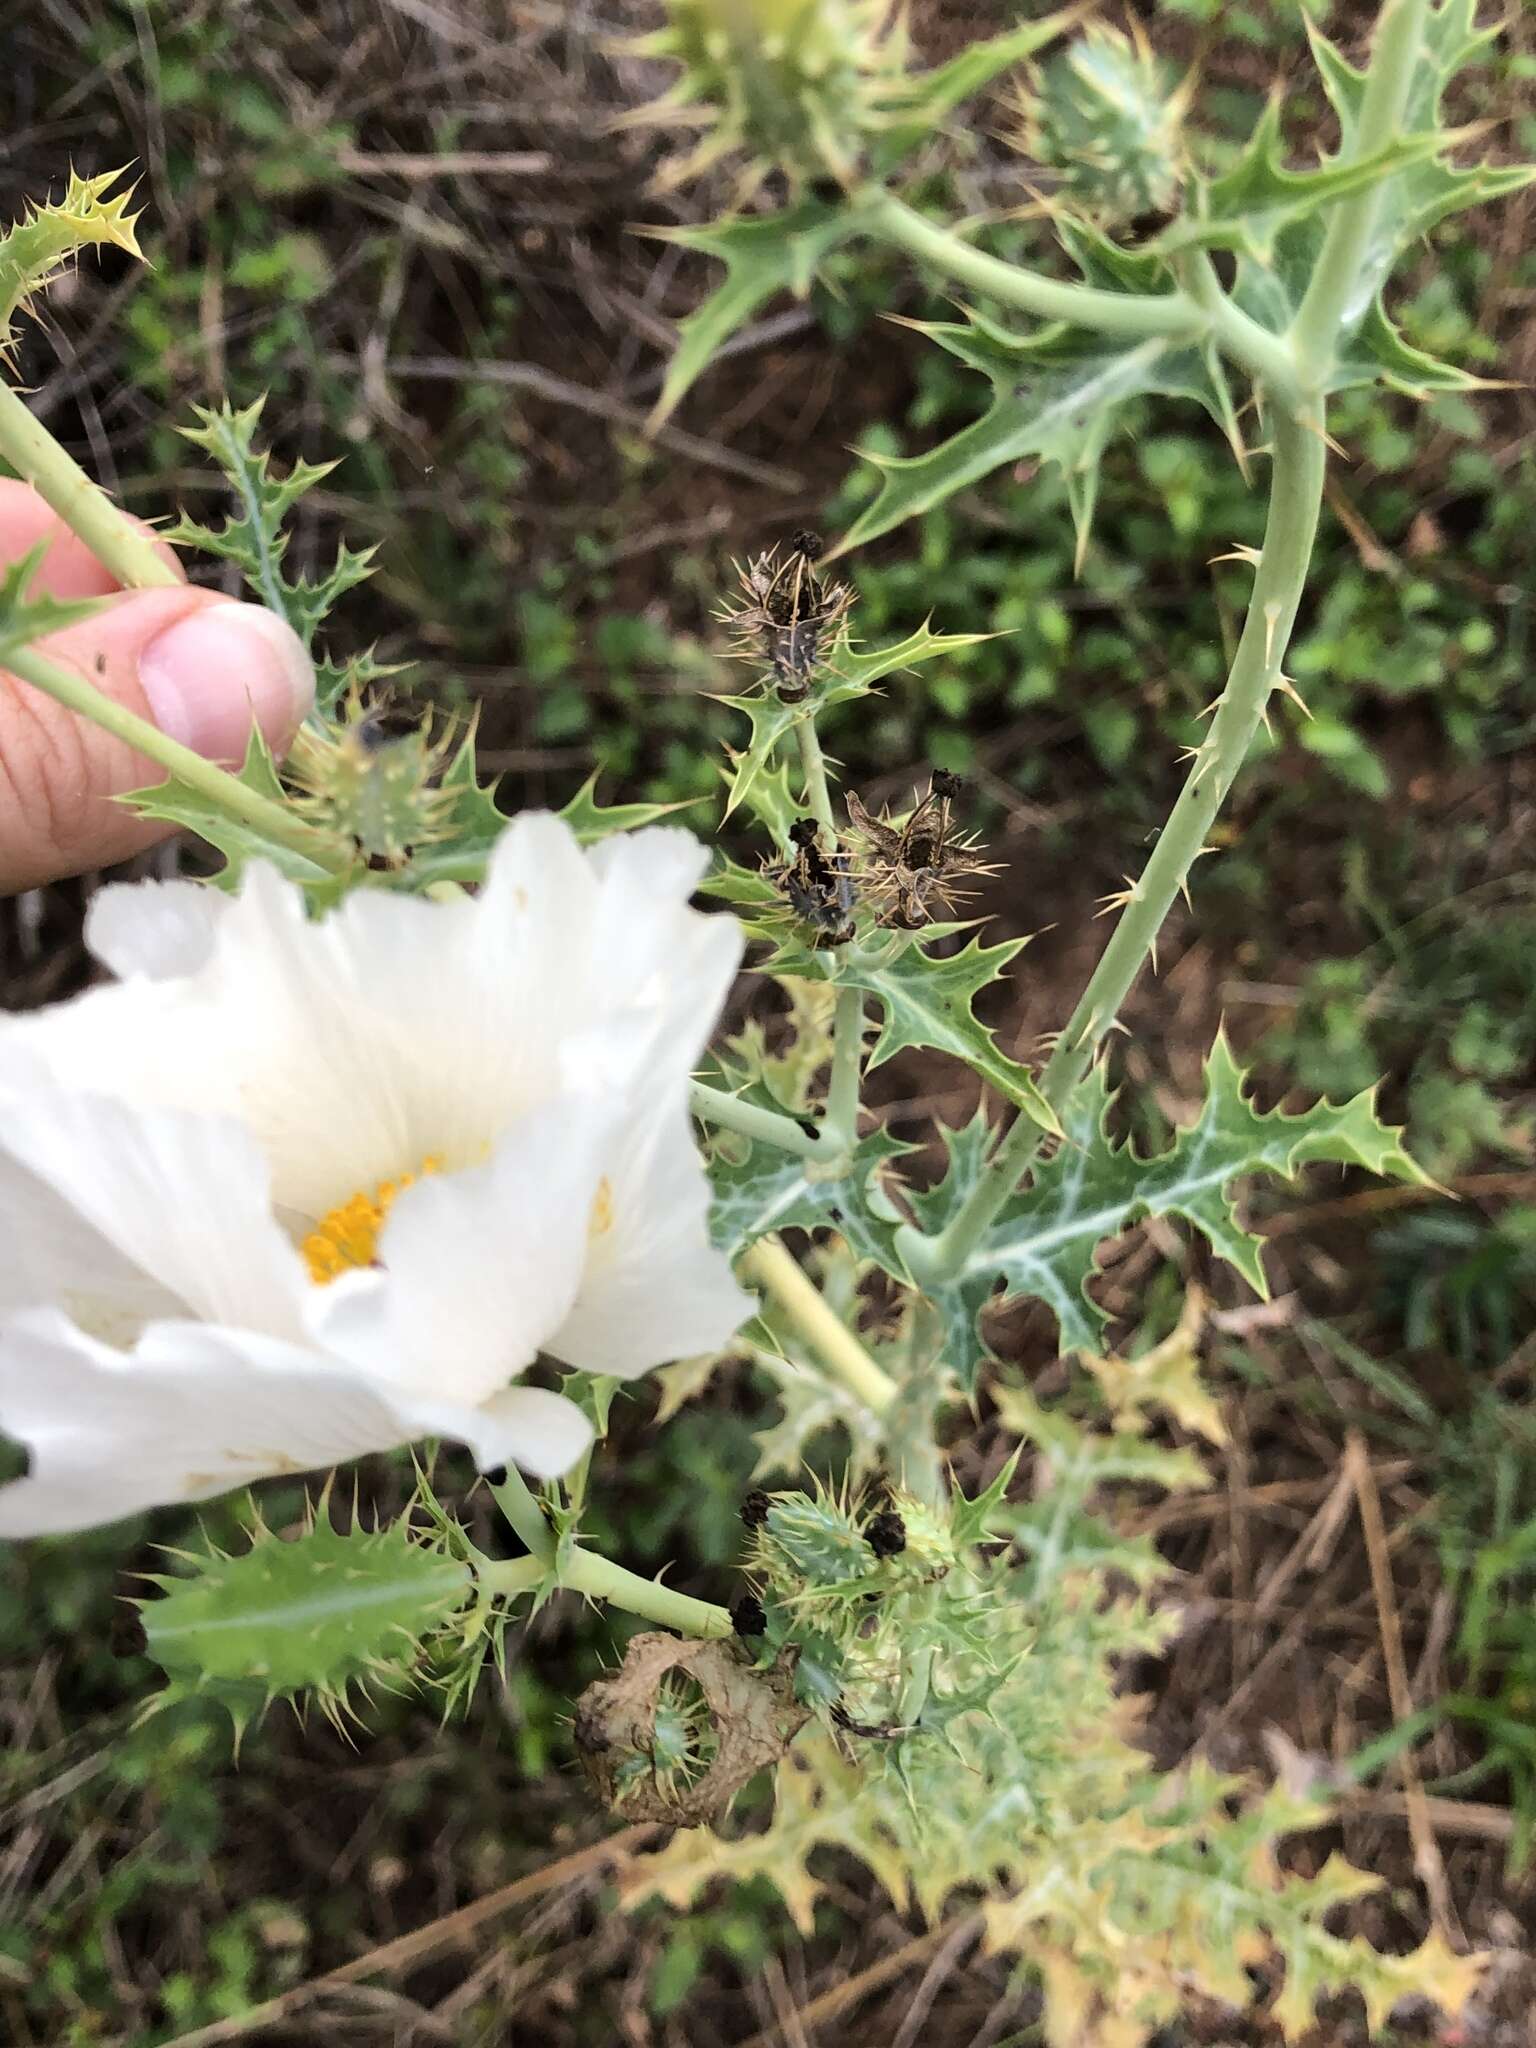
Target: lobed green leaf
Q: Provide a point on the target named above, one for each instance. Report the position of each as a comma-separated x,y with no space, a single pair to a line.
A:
35,251
1045,1243
253,537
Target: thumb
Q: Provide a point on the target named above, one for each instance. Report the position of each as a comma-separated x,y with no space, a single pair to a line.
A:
200,666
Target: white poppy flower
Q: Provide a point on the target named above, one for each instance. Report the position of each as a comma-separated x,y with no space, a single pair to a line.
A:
292,1191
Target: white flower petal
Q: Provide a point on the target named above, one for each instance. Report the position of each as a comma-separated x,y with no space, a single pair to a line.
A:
480,1268
654,1289
528,1426
162,929
194,1412
146,1211
198,1411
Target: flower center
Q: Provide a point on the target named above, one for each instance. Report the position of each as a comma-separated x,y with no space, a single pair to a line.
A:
347,1236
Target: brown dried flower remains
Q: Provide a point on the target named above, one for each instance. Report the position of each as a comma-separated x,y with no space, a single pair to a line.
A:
787,615
754,1718
913,870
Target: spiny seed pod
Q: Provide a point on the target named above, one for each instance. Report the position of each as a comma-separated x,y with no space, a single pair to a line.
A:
809,1542
787,616
917,869
376,786
816,885
788,83
1102,113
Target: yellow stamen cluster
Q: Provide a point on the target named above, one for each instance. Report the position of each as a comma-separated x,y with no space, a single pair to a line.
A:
347,1236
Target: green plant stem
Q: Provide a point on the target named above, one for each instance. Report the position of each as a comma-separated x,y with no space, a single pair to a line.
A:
769,1266
714,1106
813,765
1132,317
275,821
841,1128
1334,296
1296,492
111,536
1173,316
842,1119
517,1502
600,1579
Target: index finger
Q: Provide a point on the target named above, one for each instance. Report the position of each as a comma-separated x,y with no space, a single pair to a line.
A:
69,569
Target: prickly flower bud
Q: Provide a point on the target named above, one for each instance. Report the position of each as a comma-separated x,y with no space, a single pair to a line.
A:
791,83
1103,114
377,787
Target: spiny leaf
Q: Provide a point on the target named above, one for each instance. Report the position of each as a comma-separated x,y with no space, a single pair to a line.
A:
1379,348
925,99
927,999
34,252
781,1076
1166,1376
859,670
1249,205
253,536
27,615
1080,1460
315,1616
1045,1242
178,803
592,821
761,258
1427,190
1056,395
758,1188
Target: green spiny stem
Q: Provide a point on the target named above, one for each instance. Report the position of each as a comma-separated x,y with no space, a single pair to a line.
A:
1175,316
275,821
1296,490
714,1106
1295,499
600,1579
120,546
1118,313
1335,283
769,1266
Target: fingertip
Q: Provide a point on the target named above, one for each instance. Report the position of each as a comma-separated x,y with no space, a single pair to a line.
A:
215,670
68,569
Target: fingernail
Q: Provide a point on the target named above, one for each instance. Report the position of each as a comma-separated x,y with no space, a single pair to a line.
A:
206,679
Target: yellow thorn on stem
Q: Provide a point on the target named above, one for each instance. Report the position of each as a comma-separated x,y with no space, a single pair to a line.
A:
1271,621
1322,433
1283,682
1118,899
1238,552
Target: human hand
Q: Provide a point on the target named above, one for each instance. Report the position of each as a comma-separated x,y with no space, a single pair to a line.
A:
195,663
